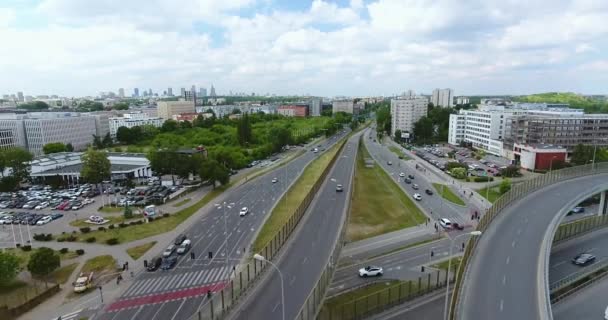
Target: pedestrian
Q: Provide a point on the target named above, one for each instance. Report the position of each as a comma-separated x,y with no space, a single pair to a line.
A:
462,246
472,217
127,264
124,267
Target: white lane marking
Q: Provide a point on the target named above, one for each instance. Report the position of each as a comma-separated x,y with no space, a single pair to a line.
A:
292,281
136,313
504,280
275,307
502,302
141,287
558,264
173,280
305,259
209,275
198,277
513,244
158,284
179,308
182,278
508,259
157,311
519,231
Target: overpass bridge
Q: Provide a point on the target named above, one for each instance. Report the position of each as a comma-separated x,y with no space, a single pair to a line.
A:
504,274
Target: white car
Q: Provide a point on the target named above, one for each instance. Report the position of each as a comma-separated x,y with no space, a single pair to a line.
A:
244,211
275,180
169,251
402,175
42,206
445,223
606,314
370,271
417,196
44,220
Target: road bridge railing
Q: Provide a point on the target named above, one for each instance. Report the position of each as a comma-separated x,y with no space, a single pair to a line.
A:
517,192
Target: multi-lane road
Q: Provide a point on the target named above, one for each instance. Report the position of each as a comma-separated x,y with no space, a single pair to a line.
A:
178,293
310,248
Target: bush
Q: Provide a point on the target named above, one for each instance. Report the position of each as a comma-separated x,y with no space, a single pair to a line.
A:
111,227
26,248
150,219
71,238
165,215
49,237
85,229
101,229
483,179
43,237
60,239
122,225
91,239
81,251
140,221
63,250
132,223
112,241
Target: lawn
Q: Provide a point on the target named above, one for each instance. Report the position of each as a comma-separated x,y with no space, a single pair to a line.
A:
379,205
398,152
181,203
107,209
138,251
359,293
284,209
18,292
113,220
447,194
491,194
99,264
62,274
24,256
443,265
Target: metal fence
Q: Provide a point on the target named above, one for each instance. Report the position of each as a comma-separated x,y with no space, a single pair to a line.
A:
578,275
224,296
386,298
576,228
518,191
574,282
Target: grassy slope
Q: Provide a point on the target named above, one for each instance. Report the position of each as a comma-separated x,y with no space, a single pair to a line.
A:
492,193
138,251
447,194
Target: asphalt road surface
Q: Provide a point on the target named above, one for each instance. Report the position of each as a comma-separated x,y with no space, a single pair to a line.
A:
502,281
590,303
309,250
178,293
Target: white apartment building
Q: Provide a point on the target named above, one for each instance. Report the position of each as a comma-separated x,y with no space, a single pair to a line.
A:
131,120
167,109
462,100
443,98
347,106
405,112
12,133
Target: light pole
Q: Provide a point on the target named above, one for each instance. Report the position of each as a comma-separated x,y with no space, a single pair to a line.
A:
220,206
261,258
447,287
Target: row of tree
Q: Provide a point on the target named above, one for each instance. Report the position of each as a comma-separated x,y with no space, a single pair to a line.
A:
42,262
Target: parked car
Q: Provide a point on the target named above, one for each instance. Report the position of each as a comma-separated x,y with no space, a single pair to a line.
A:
445,223
56,215
154,264
370,271
42,206
44,220
583,259
168,263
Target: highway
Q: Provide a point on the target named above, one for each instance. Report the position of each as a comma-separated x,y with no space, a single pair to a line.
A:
178,293
589,303
561,265
506,278
308,251
435,206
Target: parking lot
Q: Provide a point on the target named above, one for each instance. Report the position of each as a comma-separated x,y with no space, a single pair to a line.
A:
438,156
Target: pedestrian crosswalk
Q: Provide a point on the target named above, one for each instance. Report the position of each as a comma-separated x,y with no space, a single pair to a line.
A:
69,316
175,281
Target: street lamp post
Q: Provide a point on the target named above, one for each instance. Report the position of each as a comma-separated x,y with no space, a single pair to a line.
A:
262,258
447,289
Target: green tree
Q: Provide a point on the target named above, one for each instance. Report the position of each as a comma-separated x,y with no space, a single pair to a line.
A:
424,130
69,147
213,171
236,111
397,135
459,173
123,135
43,261
97,144
89,105
121,106
9,268
243,130
169,126
582,154
107,141
505,186
54,147
95,166
18,160
128,213
34,105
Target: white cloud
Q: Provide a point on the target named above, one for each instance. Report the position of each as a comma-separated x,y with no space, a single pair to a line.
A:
7,16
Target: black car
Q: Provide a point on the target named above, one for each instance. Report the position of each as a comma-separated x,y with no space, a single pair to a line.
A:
154,264
411,176
168,263
180,239
408,181
429,192
457,226
583,259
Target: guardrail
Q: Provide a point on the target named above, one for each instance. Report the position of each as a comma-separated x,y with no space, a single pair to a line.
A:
517,192
227,294
573,277
575,228
576,281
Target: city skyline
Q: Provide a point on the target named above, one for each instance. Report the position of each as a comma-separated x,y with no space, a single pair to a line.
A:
352,48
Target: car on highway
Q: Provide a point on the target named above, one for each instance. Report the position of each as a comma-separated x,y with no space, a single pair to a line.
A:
154,264
411,176
44,220
415,186
583,259
275,180
244,211
417,196
184,247
445,223
407,181
339,188
389,163
402,175
370,271
168,263
169,251
315,150
578,210
429,192
180,239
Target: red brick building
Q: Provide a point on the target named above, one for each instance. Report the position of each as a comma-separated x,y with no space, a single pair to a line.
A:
539,156
293,110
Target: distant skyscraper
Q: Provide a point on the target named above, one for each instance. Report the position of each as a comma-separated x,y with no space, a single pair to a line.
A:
20,96
121,92
202,92
409,94
193,89
212,91
443,98
170,92
189,96
182,92
136,92
150,92
315,107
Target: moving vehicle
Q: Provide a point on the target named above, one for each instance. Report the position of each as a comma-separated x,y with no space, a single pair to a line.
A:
168,263
402,175
169,251
275,180
457,226
445,223
406,180
180,239
415,186
184,247
583,259
417,196
578,210
243,211
339,188
411,176
315,150
370,271
429,192
389,163
154,264
83,282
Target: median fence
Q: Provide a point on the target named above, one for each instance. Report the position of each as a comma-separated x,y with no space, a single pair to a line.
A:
574,282
386,298
226,295
575,228
518,191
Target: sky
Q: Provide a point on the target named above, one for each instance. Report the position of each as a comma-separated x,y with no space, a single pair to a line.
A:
321,47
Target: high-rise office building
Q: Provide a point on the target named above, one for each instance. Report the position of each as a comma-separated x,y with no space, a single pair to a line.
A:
443,98
170,92
150,92
136,92
189,96
202,92
212,92
315,107
20,96
405,112
193,89
182,91
121,92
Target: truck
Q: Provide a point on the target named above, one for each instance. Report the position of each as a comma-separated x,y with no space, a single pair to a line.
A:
83,282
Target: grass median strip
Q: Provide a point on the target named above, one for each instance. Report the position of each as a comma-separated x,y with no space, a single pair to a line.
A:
353,295
181,203
344,262
294,197
398,152
447,194
491,194
138,251
443,265
62,274
379,205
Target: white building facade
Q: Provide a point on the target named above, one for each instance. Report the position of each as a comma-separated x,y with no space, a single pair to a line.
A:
405,112
44,128
443,98
131,120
